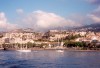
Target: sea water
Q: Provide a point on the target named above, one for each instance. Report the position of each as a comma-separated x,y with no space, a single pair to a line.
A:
50,59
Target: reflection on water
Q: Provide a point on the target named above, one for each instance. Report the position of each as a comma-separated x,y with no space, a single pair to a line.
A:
39,54
49,59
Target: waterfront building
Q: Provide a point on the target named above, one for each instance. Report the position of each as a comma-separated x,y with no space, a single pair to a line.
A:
53,35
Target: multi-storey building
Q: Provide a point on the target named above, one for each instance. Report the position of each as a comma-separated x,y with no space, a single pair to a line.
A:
21,37
53,35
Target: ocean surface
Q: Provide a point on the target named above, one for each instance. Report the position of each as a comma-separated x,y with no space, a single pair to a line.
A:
50,59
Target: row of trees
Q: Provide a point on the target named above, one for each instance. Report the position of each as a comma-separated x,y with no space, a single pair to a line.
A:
81,44
29,45
74,44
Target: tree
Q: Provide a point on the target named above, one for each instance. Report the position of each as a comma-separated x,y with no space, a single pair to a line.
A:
29,44
79,44
74,44
71,37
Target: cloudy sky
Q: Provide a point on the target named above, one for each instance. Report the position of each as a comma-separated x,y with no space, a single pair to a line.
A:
48,14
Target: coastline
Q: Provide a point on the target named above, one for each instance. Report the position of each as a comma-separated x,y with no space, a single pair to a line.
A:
37,49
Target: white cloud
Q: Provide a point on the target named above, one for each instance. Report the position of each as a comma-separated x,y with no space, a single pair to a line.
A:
19,11
96,2
40,20
98,9
3,22
95,15
95,18
92,1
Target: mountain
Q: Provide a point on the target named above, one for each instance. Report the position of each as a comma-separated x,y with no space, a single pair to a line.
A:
27,30
91,27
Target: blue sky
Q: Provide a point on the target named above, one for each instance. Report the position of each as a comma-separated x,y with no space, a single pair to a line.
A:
63,8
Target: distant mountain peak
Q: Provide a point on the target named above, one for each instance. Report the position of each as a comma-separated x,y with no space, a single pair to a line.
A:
22,30
92,27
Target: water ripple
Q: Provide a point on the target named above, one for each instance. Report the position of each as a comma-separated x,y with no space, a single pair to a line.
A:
50,59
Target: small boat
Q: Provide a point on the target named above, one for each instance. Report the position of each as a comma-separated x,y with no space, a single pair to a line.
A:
60,50
35,51
60,46
24,49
